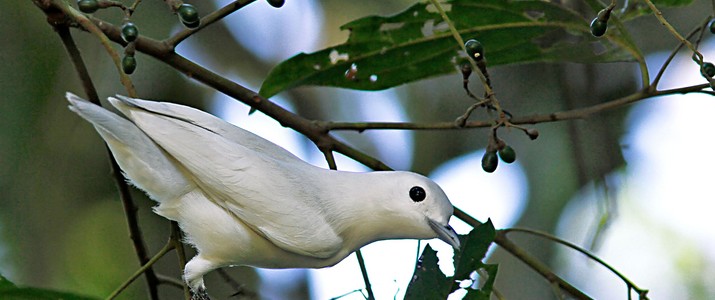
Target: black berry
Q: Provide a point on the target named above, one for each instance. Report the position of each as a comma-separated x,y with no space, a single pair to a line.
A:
188,15
490,161
276,3
129,32
129,64
475,49
88,6
598,27
507,154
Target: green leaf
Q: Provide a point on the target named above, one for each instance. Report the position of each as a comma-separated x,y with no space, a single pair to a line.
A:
638,8
428,282
383,52
9,291
474,248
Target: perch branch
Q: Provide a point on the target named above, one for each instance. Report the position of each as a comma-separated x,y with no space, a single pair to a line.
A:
128,204
641,292
330,158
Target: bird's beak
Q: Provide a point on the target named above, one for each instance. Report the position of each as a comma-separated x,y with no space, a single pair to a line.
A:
445,233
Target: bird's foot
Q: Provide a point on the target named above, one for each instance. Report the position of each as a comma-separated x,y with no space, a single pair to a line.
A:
200,295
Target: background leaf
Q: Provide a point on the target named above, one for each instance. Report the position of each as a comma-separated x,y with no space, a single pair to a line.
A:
416,44
8,291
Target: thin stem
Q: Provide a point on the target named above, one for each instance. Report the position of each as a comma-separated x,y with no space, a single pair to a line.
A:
578,113
460,41
701,28
175,239
536,265
92,28
580,250
167,247
130,208
330,158
206,21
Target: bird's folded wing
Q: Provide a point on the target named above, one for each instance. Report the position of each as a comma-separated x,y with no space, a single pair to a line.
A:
267,194
210,122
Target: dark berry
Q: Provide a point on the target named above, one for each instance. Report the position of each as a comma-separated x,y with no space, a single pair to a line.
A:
507,154
129,64
188,15
598,28
129,32
475,49
490,161
276,3
708,69
711,26
88,6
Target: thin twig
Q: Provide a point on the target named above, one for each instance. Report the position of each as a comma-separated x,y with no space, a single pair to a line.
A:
130,207
629,283
206,21
536,265
661,71
330,158
659,15
92,28
167,247
175,239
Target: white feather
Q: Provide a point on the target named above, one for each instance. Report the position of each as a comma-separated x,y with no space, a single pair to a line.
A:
242,200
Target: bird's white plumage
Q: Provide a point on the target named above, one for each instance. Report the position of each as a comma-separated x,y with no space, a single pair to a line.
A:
242,200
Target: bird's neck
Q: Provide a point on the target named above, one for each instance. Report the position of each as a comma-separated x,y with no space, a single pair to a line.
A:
361,215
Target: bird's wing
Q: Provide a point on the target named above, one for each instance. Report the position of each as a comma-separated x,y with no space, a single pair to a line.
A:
142,161
270,195
212,123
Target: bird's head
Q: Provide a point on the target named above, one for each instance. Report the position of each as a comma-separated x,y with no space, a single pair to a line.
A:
419,207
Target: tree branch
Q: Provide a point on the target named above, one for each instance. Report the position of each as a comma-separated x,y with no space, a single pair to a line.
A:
128,204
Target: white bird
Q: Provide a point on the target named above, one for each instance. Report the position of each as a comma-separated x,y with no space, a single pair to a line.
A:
242,200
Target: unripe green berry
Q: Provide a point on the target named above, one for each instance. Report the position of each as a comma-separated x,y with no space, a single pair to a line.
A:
276,3
129,64
708,69
598,28
129,32
88,6
188,15
507,154
490,161
475,49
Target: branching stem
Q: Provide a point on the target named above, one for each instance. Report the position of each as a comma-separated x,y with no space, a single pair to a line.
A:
641,292
206,21
167,247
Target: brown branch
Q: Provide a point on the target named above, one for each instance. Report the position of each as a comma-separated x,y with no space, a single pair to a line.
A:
330,158
207,20
128,204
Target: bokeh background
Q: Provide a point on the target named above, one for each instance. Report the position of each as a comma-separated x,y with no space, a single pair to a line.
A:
632,184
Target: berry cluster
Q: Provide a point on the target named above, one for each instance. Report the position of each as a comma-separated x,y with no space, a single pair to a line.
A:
187,13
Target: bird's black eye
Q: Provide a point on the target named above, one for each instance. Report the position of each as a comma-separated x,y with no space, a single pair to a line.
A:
417,193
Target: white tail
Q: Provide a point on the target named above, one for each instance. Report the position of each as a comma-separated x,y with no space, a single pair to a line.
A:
146,165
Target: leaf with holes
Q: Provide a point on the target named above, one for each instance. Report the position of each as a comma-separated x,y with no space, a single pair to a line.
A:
383,52
428,282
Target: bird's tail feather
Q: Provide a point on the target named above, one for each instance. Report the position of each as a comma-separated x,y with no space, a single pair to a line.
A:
143,161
